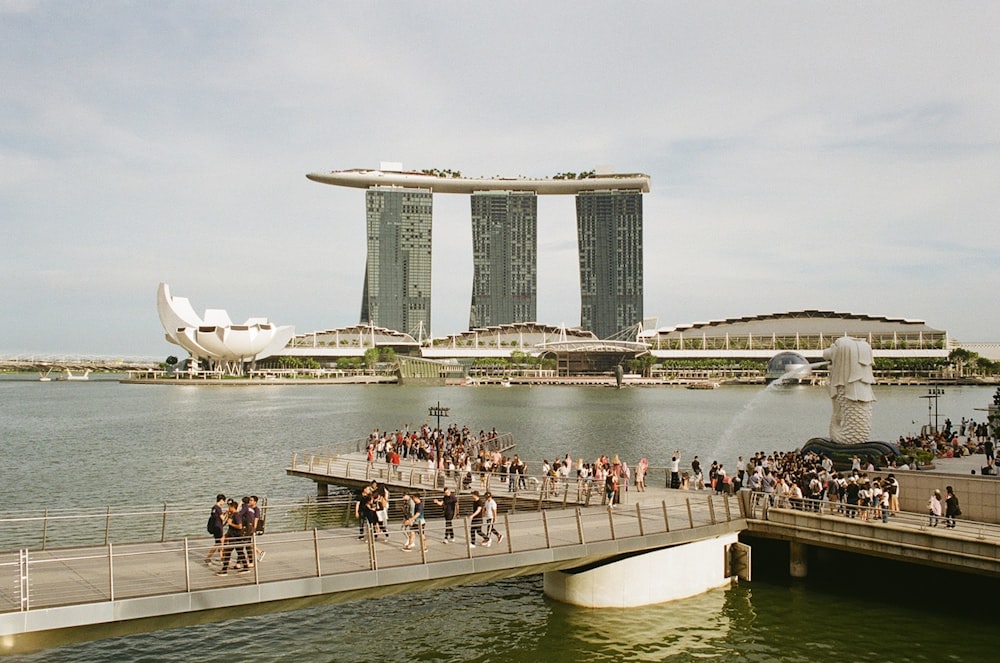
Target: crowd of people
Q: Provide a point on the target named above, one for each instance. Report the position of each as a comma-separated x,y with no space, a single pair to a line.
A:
788,479
968,438
233,525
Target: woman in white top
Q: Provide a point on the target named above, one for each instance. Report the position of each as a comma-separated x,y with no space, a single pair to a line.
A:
934,508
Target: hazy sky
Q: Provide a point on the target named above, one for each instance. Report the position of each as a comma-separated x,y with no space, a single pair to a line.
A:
837,155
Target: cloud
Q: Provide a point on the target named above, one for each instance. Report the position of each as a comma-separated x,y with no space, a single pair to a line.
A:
801,155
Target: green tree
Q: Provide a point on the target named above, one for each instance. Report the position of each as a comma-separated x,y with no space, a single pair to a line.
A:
960,357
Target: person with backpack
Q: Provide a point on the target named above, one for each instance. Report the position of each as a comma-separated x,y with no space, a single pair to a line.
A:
216,527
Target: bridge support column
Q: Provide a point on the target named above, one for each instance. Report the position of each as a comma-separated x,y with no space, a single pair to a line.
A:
647,578
322,490
798,565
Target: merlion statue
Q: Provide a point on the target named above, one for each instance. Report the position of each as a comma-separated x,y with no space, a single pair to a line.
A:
851,381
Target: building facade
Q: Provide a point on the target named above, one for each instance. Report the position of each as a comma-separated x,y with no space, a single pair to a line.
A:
609,234
505,258
397,289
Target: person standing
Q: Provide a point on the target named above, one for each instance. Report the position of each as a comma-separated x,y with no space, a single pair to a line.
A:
640,475
258,524
217,526
721,480
893,489
696,475
675,470
951,507
359,512
610,487
380,499
449,503
476,520
490,514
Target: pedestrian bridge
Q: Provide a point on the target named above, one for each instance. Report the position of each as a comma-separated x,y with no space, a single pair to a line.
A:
55,595
115,573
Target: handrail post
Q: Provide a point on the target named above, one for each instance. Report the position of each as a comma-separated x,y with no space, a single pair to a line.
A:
468,533
638,518
295,457
579,524
666,520
729,513
187,567
163,527
319,572
253,557
687,501
45,528
545,527
611,520
711,510
25,585
506,526
372,558
111,573
107,526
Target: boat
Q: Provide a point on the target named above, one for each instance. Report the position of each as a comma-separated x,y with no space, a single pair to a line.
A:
706,384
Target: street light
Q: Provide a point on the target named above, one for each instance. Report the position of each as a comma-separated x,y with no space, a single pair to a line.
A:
933,394
438,411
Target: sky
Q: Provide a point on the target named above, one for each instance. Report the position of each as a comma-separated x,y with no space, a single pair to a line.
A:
803,155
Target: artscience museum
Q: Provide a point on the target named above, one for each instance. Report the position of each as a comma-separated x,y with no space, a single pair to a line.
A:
213,338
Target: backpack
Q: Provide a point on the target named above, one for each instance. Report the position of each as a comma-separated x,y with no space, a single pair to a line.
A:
211,524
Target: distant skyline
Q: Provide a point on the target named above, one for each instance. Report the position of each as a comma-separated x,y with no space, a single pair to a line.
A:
835,156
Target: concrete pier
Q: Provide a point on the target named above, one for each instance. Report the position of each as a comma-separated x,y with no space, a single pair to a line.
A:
653,577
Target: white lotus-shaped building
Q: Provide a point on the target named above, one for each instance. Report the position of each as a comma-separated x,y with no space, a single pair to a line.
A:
215,338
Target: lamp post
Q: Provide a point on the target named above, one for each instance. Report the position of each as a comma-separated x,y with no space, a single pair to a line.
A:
437,411
933,394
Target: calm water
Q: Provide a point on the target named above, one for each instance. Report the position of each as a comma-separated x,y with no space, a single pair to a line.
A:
94,443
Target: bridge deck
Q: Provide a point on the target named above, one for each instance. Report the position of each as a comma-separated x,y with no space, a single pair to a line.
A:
48,595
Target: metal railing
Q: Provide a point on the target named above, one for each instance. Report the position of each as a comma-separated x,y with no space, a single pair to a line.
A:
761,503
344,465
39,579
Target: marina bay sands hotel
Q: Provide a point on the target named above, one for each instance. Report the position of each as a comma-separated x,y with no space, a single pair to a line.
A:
397,288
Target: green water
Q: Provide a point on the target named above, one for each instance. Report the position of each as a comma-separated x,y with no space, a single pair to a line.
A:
90,444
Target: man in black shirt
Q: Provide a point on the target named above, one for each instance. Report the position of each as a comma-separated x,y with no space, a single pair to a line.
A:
234,539
476,520
450,505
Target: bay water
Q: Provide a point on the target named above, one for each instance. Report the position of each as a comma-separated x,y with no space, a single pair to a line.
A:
89,444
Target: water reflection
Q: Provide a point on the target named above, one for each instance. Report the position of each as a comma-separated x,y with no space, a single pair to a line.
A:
692,626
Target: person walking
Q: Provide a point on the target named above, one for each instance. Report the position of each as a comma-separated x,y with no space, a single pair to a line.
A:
934,508
217,527
234,541
449,504
951,508
476,520
490,515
